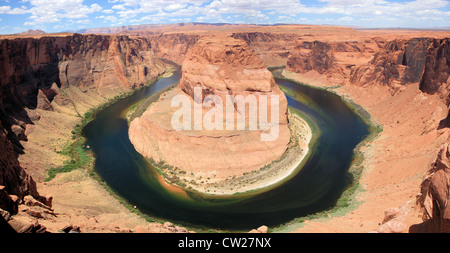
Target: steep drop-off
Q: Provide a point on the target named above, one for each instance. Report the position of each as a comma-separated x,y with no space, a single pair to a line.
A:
404,83
434,194
36,75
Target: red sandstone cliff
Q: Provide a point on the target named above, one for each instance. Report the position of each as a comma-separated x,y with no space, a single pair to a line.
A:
173,46
319,58
396,64
435,194
31,72
436,71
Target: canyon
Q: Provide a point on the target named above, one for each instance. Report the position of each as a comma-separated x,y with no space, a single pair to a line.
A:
401,77
223,69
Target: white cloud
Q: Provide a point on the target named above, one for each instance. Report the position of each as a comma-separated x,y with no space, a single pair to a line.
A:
357,12
346,19
49,11
83,21
119,7
377,7
8,10
5,9
174,7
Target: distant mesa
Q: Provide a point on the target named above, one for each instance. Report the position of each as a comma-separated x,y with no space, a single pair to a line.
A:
32,32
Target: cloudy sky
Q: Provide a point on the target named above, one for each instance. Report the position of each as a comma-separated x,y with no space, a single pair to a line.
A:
61,15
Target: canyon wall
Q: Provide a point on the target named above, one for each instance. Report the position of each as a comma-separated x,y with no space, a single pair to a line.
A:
397,66
173,46
435,194
272,48
34,71
32,64
392,63
400,62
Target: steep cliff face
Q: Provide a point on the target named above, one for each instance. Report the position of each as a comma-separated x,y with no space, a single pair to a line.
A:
395,63
32,72
272,48
29,65
435,194
14,181
436,72
423,60
319,57
222,64
173,46
406,61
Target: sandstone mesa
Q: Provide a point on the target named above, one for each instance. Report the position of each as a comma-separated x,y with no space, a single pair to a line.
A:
220,66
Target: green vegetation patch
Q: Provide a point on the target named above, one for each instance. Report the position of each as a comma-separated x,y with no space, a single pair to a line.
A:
347,200
78,156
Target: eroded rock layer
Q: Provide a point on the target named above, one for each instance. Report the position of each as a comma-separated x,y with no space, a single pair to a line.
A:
220,66
36,74
435,194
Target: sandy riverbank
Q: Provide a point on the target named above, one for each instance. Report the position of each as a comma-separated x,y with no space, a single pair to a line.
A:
266,177
394,163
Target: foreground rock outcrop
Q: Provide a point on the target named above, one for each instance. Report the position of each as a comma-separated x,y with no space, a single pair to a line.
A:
435,194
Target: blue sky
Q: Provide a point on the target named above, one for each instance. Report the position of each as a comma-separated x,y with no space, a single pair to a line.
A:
62,15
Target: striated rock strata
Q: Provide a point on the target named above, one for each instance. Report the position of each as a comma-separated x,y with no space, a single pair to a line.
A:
220,66
35,73
399,62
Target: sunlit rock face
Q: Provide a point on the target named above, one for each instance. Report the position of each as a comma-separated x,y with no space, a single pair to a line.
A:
230,70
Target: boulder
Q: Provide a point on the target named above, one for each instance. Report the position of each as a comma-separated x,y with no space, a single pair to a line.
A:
23,226
263,229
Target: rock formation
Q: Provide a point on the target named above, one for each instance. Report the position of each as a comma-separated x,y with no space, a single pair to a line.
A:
436,73
335,60
32,64
225,66
15,183
407,61
32,71
272,48
173,46
320,58
218,66
435,194
32,32
394,219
